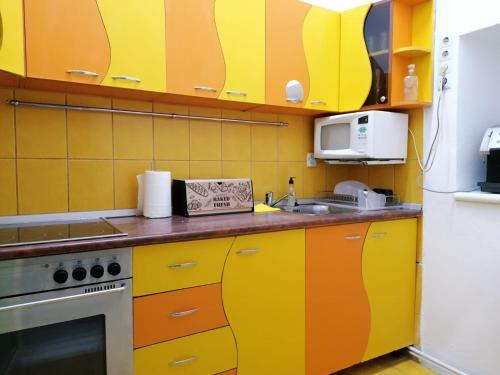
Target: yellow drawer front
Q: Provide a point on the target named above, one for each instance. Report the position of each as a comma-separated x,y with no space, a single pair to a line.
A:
205,353
165,267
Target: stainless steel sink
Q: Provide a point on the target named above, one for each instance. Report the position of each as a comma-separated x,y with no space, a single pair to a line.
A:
319,209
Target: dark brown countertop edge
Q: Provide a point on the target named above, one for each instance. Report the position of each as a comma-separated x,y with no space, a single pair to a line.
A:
143,231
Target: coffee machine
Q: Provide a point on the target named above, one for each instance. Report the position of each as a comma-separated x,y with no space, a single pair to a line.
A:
490,149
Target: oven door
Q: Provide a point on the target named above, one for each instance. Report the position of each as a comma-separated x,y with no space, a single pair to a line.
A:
83,330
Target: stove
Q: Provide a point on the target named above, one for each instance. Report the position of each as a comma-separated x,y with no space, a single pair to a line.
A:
56,231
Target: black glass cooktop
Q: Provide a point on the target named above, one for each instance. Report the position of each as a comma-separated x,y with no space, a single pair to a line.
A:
56,231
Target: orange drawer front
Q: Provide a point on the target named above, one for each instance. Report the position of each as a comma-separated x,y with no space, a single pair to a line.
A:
166,316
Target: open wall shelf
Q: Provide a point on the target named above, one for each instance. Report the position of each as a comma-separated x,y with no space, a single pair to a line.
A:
412,51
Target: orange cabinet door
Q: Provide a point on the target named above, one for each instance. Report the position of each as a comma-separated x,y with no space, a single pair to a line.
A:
166,316
337,308
66,41
285,56
195,63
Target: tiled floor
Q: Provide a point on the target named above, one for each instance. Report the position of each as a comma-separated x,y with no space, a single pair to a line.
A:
389,365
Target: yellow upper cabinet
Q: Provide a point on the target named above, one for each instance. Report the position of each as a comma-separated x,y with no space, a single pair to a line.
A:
136,33
321,35
263,292
389,264
241,29
12,36
355,67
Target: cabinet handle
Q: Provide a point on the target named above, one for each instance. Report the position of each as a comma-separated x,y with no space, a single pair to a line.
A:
291,100
379,235
318,102
205,88
127,78
182,265
180,314
183,361
82,72
247,251
353,238
240,93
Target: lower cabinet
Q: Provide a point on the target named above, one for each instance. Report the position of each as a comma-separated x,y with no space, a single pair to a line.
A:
263,296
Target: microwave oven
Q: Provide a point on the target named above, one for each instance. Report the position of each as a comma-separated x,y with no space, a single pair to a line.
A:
372,137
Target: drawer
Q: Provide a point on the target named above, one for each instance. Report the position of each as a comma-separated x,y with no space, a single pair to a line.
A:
210,352
165,267
167,316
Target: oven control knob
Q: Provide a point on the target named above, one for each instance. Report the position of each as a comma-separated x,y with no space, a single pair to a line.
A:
79,273
60,276
97,271
114,269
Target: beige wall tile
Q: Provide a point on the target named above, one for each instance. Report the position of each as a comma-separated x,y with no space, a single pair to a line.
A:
205,136
287,170
290,139
126,172
8,188
90,134
42,186
171,136
179,169
264,138
91,185
7,125
236,169
236,138
264,178
314,180
205,169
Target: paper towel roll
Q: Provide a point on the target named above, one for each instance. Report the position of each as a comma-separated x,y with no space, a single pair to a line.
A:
157,201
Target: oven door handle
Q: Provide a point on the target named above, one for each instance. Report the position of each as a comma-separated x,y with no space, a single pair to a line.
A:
63,299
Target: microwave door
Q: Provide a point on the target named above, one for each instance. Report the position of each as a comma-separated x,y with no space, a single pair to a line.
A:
336,137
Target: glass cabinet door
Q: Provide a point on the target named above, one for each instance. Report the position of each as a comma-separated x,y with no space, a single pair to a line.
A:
377,37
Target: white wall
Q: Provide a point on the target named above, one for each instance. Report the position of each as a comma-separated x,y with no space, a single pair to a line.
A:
461,282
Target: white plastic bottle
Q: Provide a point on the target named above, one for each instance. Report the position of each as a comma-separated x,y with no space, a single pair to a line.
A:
411,84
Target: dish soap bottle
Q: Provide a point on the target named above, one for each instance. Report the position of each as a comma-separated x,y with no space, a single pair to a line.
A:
292,200
411,84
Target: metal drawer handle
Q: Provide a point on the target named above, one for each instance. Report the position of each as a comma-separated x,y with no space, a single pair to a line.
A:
379,235
205,88
63,299
291,100
181,362
240,93
247,251
82,72
127,78
182,265
318,102
353,238
180,314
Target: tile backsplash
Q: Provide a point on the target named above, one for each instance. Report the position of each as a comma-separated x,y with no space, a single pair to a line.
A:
54,160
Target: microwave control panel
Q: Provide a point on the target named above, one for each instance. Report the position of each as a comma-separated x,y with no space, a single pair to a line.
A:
362,133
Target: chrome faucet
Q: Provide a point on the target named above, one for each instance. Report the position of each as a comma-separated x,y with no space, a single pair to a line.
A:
269,199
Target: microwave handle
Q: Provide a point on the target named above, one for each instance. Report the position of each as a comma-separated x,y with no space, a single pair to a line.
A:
485,143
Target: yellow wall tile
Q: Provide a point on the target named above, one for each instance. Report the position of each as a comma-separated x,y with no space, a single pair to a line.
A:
290,139
420,222
205,136
40,96
264,138
8,189
336,174
42,186
90,134
132,135
236,138
416,124
236,169
126,172
314,180
264,178
205,169
359,173
7,125
179,169
381,176
287,170
308,134
171,136
405,182
91,185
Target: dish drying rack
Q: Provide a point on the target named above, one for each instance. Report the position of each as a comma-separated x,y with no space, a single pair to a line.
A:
391,202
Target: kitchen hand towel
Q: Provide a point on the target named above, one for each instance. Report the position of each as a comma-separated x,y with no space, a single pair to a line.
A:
157,200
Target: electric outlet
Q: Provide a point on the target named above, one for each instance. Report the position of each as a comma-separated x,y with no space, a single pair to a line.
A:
445,41
310,160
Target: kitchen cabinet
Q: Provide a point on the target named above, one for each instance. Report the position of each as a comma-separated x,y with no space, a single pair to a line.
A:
241,28
389,266
195,63
263,295
136,33
285,55
337,308
321,37
11,36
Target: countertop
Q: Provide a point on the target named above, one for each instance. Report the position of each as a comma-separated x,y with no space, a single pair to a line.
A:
143,231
